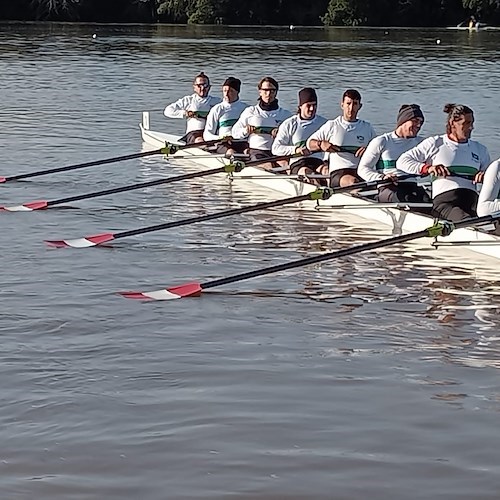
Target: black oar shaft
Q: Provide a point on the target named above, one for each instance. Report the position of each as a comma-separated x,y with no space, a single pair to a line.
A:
217,215
84,165
122,189
313,260
431,231
315,195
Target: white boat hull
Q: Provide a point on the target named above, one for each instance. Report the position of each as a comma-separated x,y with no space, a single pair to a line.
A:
400,220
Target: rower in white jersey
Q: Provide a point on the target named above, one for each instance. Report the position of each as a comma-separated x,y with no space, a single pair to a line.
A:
223,116
345,138
260,123
489,201
194,108
449,158
293,134
379,160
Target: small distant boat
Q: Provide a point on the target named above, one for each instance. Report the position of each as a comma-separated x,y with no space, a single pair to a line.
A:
472,27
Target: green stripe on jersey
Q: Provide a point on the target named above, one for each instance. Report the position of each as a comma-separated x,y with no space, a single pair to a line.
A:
300,144
463,169
201,114
350,149
385,164
263,130
227,123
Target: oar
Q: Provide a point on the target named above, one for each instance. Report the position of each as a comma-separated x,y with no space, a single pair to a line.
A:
168,149
195,288
98,239
235,166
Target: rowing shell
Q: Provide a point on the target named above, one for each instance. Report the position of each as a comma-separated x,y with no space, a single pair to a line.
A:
401,220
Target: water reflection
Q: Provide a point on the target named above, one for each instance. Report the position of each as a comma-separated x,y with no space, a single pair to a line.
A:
356,366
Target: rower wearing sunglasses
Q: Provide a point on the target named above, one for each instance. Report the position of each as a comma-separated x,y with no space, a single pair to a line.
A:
194,108
259,124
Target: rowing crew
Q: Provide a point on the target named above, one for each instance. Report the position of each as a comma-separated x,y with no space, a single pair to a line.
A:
352,149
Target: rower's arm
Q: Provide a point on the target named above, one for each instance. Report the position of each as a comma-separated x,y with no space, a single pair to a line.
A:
488,202
416,159
211,131
367,168
239,130
178,108
282,144
322,134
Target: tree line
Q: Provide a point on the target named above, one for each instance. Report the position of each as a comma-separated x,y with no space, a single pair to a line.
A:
255,12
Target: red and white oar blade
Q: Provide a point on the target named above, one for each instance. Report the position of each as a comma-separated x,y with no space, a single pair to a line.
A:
3,179
26,207
89,241
176,292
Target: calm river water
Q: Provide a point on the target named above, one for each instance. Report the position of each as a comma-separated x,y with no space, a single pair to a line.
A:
372,377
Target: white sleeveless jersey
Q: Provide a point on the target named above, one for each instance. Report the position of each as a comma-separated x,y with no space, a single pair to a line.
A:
293,133
264,121
488,197
460,157
193,102
381,154
221,118
349,135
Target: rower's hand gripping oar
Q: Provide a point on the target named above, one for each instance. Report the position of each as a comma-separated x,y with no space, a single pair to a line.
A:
195,288
168,149
230,168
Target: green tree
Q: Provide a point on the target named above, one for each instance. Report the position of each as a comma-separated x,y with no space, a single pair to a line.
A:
56,10
485,10
343,13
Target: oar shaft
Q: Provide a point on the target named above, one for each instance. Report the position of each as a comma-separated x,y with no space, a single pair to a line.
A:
122,189
83,165
348,251
313,260
217,215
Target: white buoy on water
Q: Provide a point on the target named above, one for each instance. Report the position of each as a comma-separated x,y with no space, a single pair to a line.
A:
292,27
438,41
94,36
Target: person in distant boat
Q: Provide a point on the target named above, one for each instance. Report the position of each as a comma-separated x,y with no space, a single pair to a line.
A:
456,163
259,123
379,160
194,108
345,138
293,134
223,116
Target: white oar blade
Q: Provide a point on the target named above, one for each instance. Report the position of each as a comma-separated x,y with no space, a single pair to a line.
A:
176,292
89,241
26,207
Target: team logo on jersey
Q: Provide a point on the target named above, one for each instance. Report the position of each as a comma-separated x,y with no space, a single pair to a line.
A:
360,138
475,157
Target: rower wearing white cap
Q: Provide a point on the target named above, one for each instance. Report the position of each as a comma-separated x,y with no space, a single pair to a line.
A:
448,158
260,123
294,132
223,116
194,108
379,160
